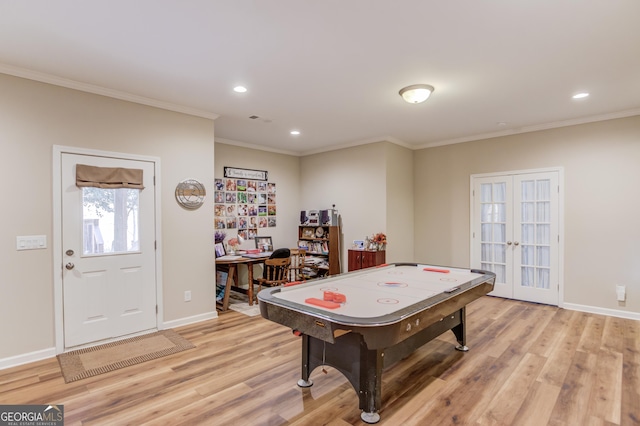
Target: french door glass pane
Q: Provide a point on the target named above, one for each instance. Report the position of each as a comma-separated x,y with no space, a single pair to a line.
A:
528,190
527,255
543,256
485,192
486,232
544,188
528,277
543,211
487,253
542,234
499,235
543,278
500,253
500,210
501,272
500,192
110,220
527,234
528,212
485,215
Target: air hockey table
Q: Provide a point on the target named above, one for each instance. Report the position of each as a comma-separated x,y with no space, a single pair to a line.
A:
363,321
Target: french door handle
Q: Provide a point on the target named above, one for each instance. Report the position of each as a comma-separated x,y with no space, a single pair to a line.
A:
509,243
516,243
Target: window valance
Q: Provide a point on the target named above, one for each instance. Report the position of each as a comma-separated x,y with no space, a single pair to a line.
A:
108,177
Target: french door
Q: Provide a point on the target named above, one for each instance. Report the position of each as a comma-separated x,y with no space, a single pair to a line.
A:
107,254
515,233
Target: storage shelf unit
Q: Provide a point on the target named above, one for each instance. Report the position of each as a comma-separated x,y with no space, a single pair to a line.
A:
322,241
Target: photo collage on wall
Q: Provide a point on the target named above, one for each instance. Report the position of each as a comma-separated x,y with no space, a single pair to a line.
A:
244,205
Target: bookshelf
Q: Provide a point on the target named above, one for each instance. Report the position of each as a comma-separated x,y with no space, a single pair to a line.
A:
322,245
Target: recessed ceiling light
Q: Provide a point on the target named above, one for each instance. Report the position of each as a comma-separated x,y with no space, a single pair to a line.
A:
580,95
295,132
239,89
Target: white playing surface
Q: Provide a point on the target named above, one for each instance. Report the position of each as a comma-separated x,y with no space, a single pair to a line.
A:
379,291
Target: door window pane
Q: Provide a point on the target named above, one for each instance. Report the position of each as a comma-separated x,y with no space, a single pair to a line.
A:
544,189
542,234
499,230
528,212
543,211
527,234
500,210
485,215
528,277
527,255
543,278
500,192
110,220
528,190
485,192
500,253
501,273
486,232
543,256
486,253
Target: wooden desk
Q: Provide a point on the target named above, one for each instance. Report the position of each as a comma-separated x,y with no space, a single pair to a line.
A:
232,277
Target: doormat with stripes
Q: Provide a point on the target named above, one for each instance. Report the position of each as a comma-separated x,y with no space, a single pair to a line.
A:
89,362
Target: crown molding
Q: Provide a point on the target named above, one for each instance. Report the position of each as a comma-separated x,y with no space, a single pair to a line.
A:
534,128
103,91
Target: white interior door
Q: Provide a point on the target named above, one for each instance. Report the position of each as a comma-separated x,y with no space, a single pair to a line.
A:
515,233
108,244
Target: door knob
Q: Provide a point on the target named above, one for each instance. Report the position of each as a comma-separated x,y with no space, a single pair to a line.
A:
69,266
516,243
509,243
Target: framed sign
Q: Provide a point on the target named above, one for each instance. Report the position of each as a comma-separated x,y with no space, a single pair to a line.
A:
238,173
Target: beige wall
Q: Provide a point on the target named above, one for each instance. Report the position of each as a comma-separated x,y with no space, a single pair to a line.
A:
354,179
400,204
36,116
601,163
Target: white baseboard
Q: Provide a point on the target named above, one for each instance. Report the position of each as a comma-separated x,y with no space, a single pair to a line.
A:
602,311
189,320
17,360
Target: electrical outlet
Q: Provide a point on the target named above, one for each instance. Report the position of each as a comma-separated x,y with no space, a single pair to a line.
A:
187,296
621,293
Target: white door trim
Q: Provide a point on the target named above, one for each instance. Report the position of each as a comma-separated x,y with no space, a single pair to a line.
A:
560,171
57,248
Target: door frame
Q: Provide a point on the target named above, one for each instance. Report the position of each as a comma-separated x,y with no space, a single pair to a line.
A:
58,299
560,171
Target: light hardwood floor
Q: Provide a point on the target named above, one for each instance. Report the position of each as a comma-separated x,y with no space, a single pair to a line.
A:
528,364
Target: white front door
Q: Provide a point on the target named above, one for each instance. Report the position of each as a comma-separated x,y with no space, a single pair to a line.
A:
108,254
515,233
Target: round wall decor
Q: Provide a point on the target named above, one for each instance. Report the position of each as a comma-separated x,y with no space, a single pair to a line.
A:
190,194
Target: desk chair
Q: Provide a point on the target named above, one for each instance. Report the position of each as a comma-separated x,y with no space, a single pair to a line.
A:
276,272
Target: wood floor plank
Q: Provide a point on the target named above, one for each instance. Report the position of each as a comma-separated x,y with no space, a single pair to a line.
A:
528,364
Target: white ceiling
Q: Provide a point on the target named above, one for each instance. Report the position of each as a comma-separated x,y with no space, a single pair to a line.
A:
333,68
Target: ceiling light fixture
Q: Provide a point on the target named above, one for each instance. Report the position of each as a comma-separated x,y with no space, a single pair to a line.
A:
239,89
580,95
416,93
295,132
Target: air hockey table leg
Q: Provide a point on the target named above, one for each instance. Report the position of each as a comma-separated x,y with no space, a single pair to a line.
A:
305,382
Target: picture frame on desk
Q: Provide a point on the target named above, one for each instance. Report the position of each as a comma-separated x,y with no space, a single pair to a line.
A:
220,250
358,244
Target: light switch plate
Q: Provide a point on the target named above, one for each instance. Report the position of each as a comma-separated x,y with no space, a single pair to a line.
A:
31,242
